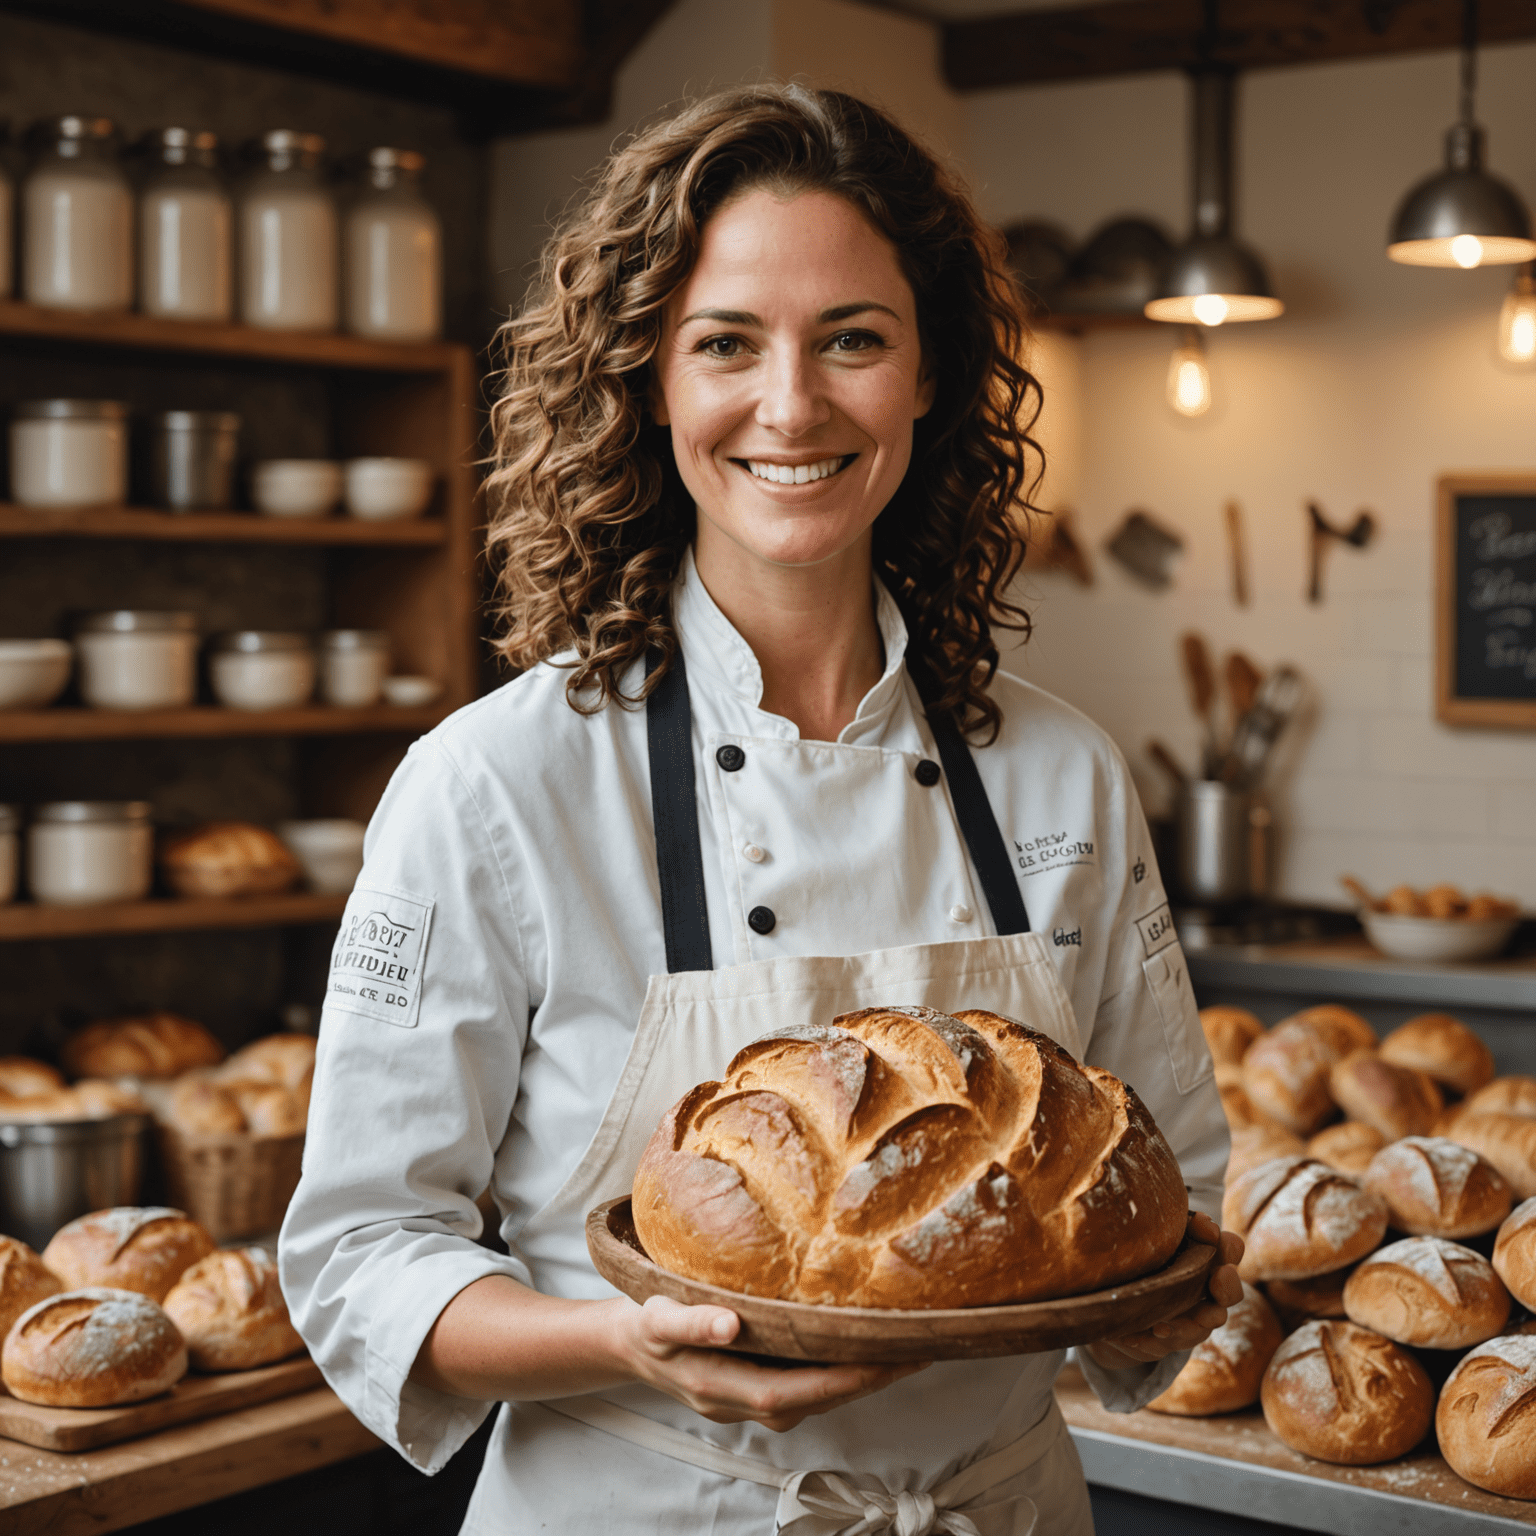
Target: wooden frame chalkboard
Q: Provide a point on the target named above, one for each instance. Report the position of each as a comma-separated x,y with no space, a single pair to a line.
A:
1485,608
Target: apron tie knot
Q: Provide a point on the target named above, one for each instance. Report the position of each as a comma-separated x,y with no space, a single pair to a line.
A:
833,1504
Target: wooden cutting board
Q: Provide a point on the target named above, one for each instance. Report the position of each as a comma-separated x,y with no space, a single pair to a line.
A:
193,1397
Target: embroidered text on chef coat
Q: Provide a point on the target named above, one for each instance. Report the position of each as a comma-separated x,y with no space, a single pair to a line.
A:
376,960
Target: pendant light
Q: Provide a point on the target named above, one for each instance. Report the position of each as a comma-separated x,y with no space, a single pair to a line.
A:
1462,216
1517,319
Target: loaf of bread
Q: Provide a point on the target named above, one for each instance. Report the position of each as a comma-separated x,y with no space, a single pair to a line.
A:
24,1281
154,1045
91,1348
130,1247
1398,1101
1506,1141
21,1077
1437,1188
1514,1254
1513,1095
202,1105
1444,1048
900,1157
89,1099
1229,1032
1341,1393
1223,1374
1261,1143
285,1060
1484,1421
1286,1071
1300,1301
1428,1292
1347,1147
230,1310
1235,1103
1299,1218
228,858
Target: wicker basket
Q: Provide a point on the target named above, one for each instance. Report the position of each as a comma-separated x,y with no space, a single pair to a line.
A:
235,1184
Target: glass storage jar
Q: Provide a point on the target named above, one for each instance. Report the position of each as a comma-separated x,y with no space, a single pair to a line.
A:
69,453
80,852
394,243
288,243
186,258
353,666
262,669
132,659
194,459
10,851
77,218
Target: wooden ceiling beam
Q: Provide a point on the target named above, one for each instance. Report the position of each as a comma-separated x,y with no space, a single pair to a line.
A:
1122,37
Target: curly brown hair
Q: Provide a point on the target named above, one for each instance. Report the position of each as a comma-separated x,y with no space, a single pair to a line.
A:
589,517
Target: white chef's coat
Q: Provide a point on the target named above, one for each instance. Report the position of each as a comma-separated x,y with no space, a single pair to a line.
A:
492,964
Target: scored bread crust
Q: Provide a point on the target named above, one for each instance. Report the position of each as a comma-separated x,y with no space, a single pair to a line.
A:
1435,1187
1229,1032
1299,1218
1505,1140
1427,1292
155,1045
91,1348
1514,1254
1223,1373
901,1157
1286,1071
230,1310
1443,1047
1512,1095
1398,1101
1486,1421
1347,1147
24,1281
144,1248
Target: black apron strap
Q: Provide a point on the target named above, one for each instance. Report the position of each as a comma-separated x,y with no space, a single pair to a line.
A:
674,807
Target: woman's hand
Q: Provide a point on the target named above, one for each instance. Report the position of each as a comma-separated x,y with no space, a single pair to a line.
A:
1192,1327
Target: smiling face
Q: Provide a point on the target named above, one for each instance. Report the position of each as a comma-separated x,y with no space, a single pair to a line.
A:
790,373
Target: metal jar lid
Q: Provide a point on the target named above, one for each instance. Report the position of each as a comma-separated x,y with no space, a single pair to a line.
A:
255,641
355,640
183,146
386,165
196,421
71,410
80,811
287,149
136,621
10,818
74,129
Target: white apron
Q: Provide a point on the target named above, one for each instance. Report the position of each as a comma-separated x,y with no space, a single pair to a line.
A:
693,1021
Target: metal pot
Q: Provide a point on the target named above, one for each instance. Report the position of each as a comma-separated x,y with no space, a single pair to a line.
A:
194,459
55,1170
1224,843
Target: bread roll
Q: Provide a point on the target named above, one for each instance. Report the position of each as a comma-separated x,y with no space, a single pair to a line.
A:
899,1157
92,1348
1301,1301
1444,1048
1235,1103
1223,1374
1347,1147
1299,1218
230,1310
1229,1032
1514,1095
1484,1421
24,1281
90,1099
130,1248
1286,1071
21,1077
287,1060
1428,1292
156,1045
1261,1143
228,858
1506,1141
270,1110
1514,1254
1437,1188
1340,1022
1344,1394
1398,1101
199,1107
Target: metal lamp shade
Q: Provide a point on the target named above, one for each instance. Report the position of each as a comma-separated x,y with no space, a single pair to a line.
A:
1462,200
1214,265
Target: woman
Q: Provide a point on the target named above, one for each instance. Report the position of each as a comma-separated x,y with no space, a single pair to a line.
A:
759,451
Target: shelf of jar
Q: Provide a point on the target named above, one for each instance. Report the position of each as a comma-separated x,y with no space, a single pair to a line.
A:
77,724
24,920
320,349
17,522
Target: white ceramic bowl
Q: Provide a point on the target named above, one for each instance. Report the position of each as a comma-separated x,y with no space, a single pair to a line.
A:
33,672
411,692
1437,938
296,487
384,489
331,852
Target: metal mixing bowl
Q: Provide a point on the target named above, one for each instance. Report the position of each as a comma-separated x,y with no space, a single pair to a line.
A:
54,1170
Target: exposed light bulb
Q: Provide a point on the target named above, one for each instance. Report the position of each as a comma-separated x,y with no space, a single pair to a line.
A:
1466,251
1189,379
1517,318
1210,308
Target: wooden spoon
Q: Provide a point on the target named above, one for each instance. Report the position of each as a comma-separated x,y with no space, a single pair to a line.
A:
1243,679
1200,677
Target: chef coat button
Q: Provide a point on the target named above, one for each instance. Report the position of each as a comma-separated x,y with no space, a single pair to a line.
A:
960,913
731,758
761,919
926,773
756,854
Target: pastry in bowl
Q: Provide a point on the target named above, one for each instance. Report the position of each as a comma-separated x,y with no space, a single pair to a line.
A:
904,1158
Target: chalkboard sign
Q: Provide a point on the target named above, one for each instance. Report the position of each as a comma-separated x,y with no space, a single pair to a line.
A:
1485,667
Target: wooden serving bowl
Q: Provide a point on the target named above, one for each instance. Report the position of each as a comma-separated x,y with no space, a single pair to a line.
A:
794,1330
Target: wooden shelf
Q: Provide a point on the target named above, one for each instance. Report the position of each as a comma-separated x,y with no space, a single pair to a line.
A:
24,920
212,527
75,724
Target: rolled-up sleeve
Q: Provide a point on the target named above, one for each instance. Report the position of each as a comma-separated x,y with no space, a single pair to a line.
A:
421,1038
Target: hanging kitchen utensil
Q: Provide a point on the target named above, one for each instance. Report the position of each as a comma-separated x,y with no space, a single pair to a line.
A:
1054,546
1238,548
1259,729
1167,762
1243,680
1200,678
1147,550
1357,536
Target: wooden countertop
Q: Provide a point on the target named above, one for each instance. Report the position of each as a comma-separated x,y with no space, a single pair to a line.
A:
94,1491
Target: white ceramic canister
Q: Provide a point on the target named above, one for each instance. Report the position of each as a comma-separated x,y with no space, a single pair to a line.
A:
288,238
69,453
353,666
77,218
394,253
80,852
186,255
132,659
10,851
262,669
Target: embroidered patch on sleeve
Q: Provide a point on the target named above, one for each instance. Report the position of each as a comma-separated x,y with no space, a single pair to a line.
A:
379,952
1156,930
